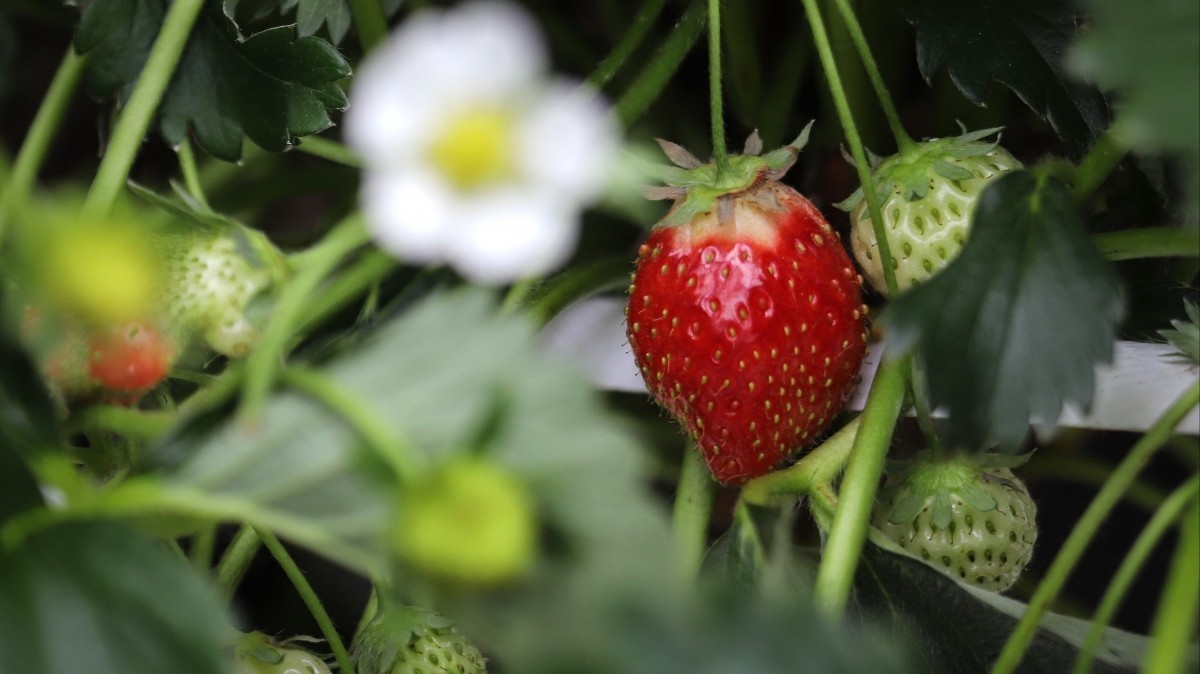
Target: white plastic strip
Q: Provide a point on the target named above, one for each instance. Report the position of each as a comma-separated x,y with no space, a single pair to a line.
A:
1131,393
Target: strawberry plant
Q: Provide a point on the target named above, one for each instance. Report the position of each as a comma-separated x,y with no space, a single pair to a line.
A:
355,336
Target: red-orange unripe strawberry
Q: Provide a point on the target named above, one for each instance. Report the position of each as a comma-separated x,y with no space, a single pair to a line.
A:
746,319
130,358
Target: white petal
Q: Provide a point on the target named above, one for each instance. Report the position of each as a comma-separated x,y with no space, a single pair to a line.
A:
492,49
409,214
386,121
569,142
482,53
511,235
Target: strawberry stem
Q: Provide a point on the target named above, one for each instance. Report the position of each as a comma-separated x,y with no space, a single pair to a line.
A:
236,560
1175,620
716,104
201,547
921,404
310,598
1097,165
330,150
369,22
654,78
191,176
265,361
141,107
1134,244
1089,523
629,43
856,498
693,506
903,140
861,165
37,140
820,466
389,447
1123,579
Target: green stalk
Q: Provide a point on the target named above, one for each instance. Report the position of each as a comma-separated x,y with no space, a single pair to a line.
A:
848,531
236,559
369,22
1142,494
1134,244
820,466
609,273
829,65
311,600
1096,166
1175,621
716,105
191,176
693,506
518,294
358,414
903,140
127,421
654,78
330,150
201,548
265,361
633,37
1130,566
139,110
37,139
921,405
358,278
1089,523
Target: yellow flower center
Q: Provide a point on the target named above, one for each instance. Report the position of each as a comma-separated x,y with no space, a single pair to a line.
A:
103,273
475,148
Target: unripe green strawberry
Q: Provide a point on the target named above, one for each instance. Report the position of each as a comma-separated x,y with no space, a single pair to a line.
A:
412,640
968,517
927,197
256,653
212,278
745,315
469,522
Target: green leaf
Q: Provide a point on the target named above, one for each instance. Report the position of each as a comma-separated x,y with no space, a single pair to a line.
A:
27,425
97,598
958,628
1014,326
1150,53
270,87
450,376
28,420
312,14
1019,43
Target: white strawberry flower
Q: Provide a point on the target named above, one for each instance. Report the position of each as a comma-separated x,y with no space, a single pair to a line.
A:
473,154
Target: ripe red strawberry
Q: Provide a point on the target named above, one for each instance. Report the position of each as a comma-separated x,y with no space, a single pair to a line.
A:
130,358
745,314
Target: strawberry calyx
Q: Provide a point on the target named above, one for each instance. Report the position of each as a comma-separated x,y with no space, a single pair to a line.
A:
931,480
698,188
911,170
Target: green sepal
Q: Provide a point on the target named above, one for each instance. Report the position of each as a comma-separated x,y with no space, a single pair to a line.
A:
942,513
908,504
259,646
978,499
911,170
707,183
1186,335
